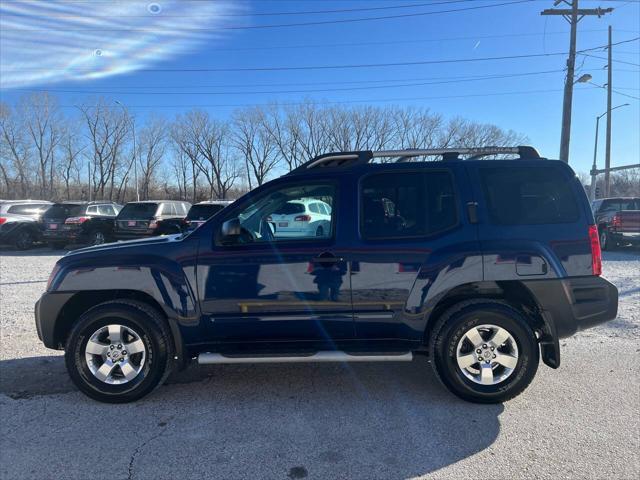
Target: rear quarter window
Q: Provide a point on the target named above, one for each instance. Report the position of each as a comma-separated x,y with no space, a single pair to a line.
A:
528,195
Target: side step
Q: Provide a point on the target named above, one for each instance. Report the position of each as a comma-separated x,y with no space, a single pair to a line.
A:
331,356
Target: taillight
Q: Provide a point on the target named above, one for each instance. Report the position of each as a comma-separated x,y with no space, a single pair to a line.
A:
2,220
302,218
616,221
75,220
53,274
596,253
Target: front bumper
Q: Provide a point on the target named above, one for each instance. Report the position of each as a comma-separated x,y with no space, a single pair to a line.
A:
47,312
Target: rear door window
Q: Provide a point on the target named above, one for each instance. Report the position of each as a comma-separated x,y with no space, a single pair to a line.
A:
528,195
407,204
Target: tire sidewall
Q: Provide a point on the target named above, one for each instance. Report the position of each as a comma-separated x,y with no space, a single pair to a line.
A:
94,240
155,360
604,240
24,240
452,332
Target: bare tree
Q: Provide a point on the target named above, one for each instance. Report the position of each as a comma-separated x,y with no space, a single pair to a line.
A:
14,151
151,147
285,132
42,120
70,166
254,142
107,128
211,139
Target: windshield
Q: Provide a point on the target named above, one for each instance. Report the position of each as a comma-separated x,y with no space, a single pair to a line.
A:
138,211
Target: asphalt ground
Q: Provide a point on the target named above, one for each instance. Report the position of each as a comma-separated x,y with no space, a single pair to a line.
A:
322,421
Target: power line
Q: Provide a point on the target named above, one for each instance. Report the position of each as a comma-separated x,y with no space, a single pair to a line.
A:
389,42
469,79
259,14
335,67
351,82
279,25
614,60
329,102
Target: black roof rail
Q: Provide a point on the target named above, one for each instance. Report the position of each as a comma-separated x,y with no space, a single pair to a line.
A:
351,159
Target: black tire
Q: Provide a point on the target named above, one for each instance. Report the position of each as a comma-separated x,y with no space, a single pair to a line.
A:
458,320
153,331
97,237
606,242
56,245
320,231
23,240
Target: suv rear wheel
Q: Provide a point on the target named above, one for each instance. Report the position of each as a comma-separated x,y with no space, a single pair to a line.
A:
119,351
97,238
484,351
24,240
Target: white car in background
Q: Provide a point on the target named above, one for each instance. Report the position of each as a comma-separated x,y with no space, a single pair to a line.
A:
307,217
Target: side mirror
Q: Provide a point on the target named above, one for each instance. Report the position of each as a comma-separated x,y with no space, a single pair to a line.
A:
231,229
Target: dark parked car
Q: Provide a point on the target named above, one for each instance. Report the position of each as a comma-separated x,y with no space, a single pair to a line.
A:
203,211
18,230
151,218
618,221
484,265
79,222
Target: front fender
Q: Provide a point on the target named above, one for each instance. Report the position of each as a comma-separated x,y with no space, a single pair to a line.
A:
161,278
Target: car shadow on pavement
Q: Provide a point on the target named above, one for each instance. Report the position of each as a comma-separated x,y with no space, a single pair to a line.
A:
377,420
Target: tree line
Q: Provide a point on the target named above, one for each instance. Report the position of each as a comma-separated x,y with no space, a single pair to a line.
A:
98,149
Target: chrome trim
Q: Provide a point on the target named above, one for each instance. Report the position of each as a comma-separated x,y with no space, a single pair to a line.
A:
319,357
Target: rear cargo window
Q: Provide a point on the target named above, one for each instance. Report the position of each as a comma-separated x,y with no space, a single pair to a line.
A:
138,211
528,196
203,212
64,210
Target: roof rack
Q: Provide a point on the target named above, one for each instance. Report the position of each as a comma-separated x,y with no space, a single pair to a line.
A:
351,159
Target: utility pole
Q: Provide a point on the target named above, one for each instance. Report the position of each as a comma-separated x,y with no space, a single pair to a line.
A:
573,16
607,161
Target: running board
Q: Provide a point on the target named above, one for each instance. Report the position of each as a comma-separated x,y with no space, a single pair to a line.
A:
217,358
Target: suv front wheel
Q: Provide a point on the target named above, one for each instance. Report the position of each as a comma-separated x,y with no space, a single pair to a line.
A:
484,351
119,351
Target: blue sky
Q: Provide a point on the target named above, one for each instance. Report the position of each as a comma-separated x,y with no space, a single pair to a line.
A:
139,53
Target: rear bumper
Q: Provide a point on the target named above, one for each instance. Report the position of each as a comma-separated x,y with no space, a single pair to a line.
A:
62,235
625,237
47,313
577,303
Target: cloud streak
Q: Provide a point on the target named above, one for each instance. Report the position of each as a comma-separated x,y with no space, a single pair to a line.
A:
50,41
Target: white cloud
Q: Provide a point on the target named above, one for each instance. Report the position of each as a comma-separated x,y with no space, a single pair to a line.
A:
49,41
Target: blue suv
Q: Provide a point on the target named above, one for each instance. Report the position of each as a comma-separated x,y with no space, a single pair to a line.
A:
481,264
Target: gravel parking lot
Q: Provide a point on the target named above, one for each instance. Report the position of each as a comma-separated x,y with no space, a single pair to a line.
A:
322,421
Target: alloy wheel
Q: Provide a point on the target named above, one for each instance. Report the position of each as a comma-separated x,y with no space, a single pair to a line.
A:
487,354
115,354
